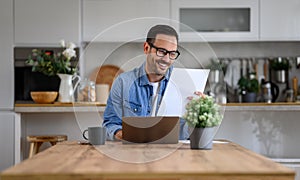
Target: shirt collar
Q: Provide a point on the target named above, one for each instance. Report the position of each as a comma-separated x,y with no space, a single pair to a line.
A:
143,79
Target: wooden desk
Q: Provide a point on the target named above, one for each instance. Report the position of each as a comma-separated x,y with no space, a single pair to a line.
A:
69,160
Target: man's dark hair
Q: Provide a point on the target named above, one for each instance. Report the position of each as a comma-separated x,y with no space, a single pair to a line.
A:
160,29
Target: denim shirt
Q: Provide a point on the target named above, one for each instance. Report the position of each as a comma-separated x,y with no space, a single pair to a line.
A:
131,95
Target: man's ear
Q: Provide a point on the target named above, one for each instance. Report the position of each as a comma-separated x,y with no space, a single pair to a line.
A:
146,48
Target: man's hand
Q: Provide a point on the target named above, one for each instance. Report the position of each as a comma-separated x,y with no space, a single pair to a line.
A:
119,135
198,93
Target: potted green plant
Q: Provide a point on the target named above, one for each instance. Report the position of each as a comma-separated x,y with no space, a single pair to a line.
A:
203,116
248,87
280,66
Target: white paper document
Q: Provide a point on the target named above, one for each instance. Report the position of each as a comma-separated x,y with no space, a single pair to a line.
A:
183,83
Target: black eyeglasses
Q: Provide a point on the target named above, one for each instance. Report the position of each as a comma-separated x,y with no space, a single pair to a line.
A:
161,52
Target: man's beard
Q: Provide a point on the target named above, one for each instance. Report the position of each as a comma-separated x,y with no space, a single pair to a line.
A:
161,72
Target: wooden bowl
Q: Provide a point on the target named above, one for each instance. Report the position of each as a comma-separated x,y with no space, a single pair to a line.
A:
43,97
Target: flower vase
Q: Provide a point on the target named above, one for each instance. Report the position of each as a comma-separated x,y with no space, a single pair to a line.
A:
202,138
66,89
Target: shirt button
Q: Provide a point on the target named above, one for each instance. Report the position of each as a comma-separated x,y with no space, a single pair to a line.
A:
135,110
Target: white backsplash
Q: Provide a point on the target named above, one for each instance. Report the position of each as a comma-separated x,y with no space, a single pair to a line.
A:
193,55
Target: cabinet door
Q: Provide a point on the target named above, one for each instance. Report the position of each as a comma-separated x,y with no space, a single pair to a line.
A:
216,20
6,55
280,20
47,21
119,20
6,139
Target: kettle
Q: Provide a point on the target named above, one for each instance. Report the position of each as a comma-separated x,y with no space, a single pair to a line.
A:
270,91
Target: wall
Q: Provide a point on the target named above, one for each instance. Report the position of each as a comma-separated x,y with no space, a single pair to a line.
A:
196,55
193,55
271,133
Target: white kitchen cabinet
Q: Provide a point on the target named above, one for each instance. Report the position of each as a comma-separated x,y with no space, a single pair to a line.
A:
6,55
279,20
7,86
7,149
46,22
216,20
119,20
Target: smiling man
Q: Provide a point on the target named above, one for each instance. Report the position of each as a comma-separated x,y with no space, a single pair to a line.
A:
140,91
161,53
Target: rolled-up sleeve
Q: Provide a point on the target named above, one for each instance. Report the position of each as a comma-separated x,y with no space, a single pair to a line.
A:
113,111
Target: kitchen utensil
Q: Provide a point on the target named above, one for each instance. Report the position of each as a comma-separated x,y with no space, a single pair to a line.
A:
266,70
270,91
267,94
242,67
255,67
298,62
233,73
214,76
220,93
280,76
295,86
43,97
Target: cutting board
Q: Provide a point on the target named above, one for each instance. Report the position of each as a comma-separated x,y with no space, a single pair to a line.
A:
105,74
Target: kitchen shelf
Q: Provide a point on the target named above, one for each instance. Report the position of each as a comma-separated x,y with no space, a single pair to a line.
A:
91,107
58,107
280,106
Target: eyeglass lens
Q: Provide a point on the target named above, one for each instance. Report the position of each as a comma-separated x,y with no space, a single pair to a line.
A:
163,52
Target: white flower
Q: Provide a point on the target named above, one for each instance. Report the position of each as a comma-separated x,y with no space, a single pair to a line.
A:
62,43
34,52
71,45
69,53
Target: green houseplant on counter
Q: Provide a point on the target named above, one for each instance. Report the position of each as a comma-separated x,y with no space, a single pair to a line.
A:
248,87
203,116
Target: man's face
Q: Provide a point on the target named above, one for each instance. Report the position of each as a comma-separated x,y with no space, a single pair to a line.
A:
156,67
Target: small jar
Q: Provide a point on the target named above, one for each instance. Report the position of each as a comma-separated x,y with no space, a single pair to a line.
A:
298,99
290,95
86,91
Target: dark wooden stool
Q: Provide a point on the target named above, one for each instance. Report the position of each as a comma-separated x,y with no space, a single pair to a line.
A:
37,141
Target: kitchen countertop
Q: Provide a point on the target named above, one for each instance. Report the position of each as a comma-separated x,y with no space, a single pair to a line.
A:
30,107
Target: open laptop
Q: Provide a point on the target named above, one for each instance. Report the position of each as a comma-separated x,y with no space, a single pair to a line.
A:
157,130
